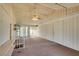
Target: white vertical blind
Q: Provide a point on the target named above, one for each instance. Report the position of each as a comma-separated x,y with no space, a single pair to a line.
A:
23,31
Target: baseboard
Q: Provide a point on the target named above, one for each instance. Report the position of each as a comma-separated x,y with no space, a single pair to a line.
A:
61,44
7,48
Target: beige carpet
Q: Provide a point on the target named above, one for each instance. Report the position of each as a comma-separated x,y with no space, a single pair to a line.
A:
42,47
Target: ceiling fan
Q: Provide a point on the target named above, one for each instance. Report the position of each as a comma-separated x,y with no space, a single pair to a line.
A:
35,16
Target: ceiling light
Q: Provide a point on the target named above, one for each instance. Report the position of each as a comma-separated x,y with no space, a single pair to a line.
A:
35,17
35,14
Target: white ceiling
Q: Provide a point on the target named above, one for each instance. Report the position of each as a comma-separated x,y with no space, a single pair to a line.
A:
24,12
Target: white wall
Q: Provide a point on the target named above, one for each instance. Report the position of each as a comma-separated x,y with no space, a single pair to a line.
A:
6,18
64,31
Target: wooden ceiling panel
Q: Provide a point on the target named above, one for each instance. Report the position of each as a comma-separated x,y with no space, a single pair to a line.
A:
24,12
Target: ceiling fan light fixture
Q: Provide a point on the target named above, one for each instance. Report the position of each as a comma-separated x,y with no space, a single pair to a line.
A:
35,18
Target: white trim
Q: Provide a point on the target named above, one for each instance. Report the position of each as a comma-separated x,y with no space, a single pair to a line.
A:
63,18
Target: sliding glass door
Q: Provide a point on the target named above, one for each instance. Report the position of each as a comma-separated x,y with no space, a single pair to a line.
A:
22,31
27,31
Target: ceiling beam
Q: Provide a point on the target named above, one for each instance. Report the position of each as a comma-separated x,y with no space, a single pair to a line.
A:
62,7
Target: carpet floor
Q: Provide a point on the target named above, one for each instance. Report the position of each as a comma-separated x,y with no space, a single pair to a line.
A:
42,47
